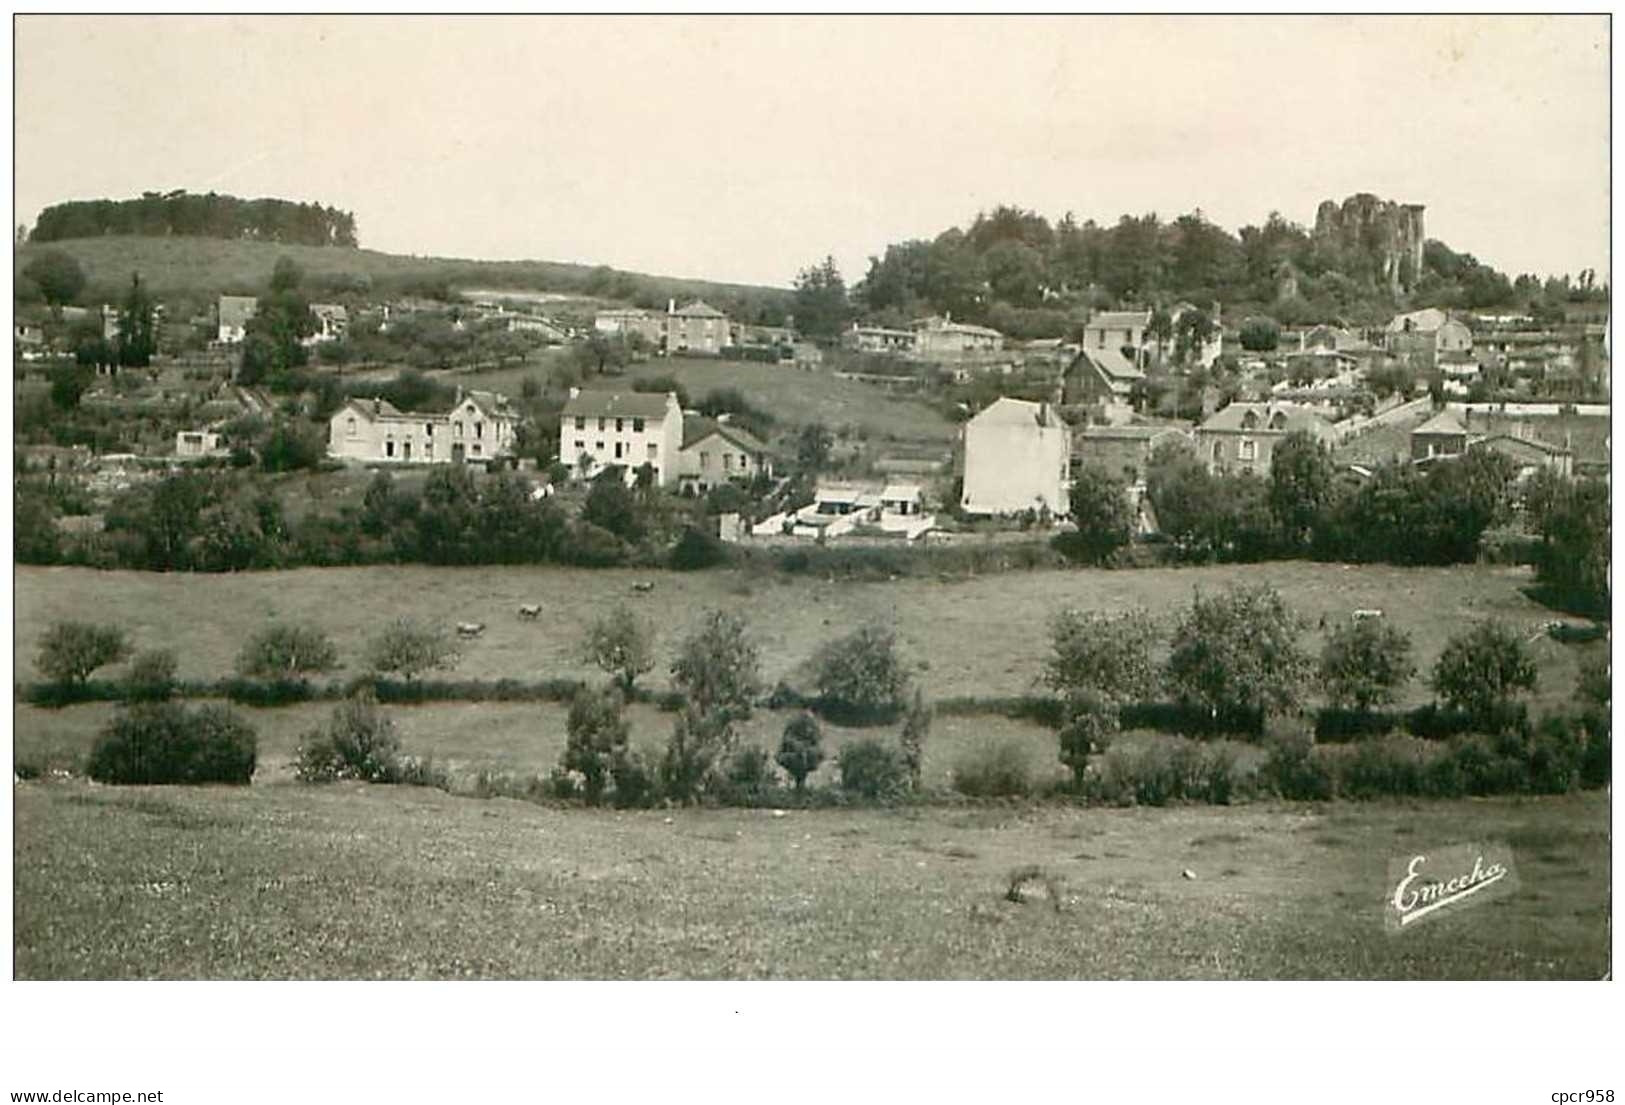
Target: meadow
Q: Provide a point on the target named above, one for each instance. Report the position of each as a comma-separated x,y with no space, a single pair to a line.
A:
349,881
794,396
978,636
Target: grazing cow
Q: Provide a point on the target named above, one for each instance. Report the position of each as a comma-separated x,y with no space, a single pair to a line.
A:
531,610
643,587
470,629
1362,615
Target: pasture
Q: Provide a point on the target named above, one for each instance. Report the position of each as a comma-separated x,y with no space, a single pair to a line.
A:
982,636
347,881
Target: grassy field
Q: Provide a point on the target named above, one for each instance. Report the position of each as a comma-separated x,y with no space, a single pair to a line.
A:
982,636
355,882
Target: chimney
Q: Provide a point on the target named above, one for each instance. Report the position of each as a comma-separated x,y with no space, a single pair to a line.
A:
459,395
671,306
377,406
574,391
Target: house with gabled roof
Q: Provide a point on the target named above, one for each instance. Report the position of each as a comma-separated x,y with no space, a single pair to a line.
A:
599,429
1102,375
1443,435
232,315
943,339
1017,455
715,452
481,426
1242,437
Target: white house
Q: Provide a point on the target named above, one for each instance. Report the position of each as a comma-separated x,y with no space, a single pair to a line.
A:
332,320
198,443
1016,458
481,426
233,315
714,453
631,430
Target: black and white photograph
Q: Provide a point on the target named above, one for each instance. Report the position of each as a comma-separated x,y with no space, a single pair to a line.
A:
762,499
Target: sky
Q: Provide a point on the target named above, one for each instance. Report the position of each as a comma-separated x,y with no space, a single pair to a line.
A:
747,148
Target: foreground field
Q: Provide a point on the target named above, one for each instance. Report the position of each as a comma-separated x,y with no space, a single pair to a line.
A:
357,882
982,636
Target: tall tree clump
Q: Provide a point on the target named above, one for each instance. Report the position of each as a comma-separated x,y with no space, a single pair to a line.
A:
821,304
1236,653
1098,663
718,673
273,343
137,329
1364,664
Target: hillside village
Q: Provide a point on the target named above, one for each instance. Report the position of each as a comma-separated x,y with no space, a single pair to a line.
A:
563,388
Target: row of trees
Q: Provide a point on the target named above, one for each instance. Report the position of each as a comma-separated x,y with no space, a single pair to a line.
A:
1235,654
160,214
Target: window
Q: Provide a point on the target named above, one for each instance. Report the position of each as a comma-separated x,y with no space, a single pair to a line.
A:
601,425
620,425
457,429
479,429
1249,449
476,449
618,448
428,429
727,461
598,445
349,428
389,448
1249,421
637,425
705,460
1100,339
1278,422
581,422
654,450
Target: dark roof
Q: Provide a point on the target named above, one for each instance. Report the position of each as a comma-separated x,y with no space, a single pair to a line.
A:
1297,418
614,404
697,429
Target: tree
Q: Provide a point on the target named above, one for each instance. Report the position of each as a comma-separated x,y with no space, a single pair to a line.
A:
1159,326
273,339
137,333
596,739
801,748
1237,652
1575,527
1103,513
911,741
611,506
718,667
1192,331
1300,486
821,304
1098,663
70,651
57,275
1364,663
1483,669
287,652
68,384
813,445
622,644
860,675
1260,334
409,648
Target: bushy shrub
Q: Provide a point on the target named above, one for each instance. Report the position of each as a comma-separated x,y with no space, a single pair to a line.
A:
636,784
860,677
1486,765
1556,752
750,775
871,769
1393,767
994,768
358,742
163,742
801,748
1333,725
1293,771
1167,769
152,676
696,550
287,653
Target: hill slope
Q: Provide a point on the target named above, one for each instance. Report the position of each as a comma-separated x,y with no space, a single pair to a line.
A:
206,267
